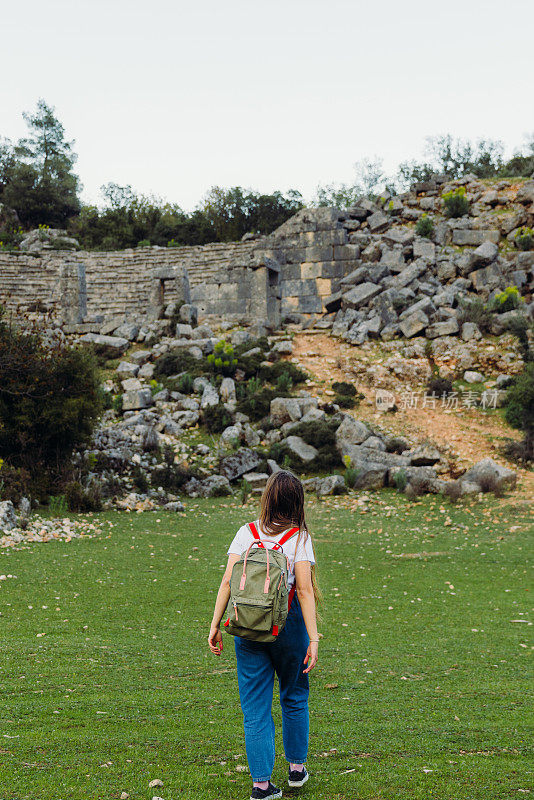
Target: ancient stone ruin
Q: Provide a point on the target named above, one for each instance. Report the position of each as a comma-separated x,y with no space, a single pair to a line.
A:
367,265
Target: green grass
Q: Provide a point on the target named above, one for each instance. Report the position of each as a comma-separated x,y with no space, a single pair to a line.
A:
426,699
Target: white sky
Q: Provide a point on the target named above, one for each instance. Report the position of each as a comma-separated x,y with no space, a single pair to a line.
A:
173,97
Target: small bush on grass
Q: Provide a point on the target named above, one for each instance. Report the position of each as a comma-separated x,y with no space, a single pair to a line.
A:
57,505
455,203
50,400
246,489
475,310
509,300
140,479
216,418
80,499
524,239
453,491
490,483
400,479
516,452
414,488
351,473
425,226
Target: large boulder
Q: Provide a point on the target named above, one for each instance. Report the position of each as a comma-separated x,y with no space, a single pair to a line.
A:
227,390
127,370
8,518
351,431
299,448
137,399
239,463
489,475
414,324
360,295
111,346
332,484
256,480
484,254
446,328
210,396
212,486
285,409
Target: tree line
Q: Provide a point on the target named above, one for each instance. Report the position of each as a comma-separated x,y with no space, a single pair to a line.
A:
39,187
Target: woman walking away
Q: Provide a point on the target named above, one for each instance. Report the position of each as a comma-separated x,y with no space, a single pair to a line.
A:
276,570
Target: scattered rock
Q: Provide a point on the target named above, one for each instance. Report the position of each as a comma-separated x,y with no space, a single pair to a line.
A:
299,448
239,463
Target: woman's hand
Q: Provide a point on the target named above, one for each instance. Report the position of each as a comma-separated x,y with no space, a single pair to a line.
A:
311,656
215,640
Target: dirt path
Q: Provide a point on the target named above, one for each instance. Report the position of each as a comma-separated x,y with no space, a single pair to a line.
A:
465,435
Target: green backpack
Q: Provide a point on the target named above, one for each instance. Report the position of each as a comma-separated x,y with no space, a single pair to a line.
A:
259,596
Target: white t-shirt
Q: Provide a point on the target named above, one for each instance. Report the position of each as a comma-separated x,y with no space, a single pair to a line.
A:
244,538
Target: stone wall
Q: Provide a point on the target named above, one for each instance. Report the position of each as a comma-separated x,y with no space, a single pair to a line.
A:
234,279
300,268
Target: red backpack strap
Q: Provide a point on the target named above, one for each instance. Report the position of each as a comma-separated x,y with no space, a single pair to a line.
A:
290,596
288,535
254,532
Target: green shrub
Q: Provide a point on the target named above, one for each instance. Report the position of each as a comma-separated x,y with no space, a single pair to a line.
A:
16,483
351,473
400,479
171,476
57,505
80,499
519,326
424,226
254,399
474,310
273,372
140,479
50,400
343,387
222,361
519,409
116,403
284,384
455,202
176,362
347,396
509,300
319,434
144,243
439,386
246,489
524,239
216,418
185,383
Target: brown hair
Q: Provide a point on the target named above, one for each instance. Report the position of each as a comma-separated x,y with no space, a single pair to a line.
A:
282,507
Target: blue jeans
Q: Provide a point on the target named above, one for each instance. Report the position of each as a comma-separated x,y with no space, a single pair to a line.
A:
257,663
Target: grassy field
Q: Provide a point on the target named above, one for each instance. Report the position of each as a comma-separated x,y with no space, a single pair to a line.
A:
422,688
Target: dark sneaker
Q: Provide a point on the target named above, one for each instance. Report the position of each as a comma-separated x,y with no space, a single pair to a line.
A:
270,793
297,778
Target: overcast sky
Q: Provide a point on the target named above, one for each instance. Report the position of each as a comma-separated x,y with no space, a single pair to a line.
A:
173,97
